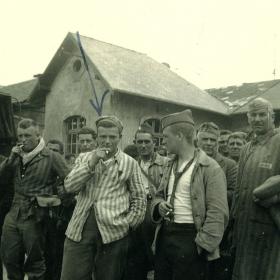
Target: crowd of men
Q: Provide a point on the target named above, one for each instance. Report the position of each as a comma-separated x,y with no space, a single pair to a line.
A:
204,205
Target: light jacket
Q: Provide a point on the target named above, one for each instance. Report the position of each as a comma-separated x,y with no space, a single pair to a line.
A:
209,203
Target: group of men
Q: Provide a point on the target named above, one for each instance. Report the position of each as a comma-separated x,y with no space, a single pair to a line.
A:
178,215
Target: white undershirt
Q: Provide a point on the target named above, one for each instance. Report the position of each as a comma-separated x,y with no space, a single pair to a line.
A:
145,166
182,200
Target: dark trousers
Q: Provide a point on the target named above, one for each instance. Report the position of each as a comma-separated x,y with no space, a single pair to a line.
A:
22,245
176,254
140,256
80,259
53,249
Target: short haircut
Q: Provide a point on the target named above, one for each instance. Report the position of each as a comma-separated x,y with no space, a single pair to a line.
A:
238,135
186,129
59,143
108,124
225,132
144,128
26,123
87,130
68,156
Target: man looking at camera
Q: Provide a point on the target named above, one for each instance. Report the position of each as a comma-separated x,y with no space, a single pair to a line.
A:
190,205
35,170
111,200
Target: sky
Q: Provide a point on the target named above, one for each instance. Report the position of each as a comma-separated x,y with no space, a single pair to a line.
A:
210,43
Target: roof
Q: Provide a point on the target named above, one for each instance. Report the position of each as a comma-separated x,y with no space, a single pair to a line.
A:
131,72
20,92
237,98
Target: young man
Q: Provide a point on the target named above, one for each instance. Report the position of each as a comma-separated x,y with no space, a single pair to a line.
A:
140,259
190,205
87,139
256,237
236,142
207,140
223,142
35,170
111,201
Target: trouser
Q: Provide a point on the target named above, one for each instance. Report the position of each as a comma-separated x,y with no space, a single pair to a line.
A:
140,256
80,259
22,245
176,254
53,250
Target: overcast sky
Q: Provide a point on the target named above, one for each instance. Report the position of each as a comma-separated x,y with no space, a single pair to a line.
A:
211,43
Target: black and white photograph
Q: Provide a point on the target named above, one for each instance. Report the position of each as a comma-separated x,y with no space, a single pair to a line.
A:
140,140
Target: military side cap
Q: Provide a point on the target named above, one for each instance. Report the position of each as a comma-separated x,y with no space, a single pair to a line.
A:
111,120
181,117
209,127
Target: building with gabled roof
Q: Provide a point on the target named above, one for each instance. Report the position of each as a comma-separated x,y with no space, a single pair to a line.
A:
133,86
238,98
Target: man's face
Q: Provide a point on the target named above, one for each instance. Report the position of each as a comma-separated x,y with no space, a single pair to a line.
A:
235,146
208,142
28,137
171,141
144,143
261,121
86,143
54,147
109,138
223,144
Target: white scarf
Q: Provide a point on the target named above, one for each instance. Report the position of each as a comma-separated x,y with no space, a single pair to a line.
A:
27,157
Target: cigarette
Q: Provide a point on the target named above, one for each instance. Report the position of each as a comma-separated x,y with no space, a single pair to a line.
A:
107,152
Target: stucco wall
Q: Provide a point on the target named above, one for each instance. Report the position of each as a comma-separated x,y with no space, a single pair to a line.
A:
69,96
131,110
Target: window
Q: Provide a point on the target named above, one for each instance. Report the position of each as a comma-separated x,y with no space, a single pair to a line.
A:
73,125
77,65
156,126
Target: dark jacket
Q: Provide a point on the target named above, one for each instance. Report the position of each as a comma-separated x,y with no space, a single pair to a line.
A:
209,202
229,167
256,237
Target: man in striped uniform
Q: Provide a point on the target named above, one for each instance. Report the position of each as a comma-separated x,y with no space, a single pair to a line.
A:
111,200
256,237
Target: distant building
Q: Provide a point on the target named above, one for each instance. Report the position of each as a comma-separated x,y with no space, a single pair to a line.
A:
237,98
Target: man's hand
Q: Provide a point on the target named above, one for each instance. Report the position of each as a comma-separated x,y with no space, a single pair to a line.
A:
267,202
165,209
96,155
15,152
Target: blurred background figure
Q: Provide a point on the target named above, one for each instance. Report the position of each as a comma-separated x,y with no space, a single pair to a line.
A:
70,160
56,146
87,139
236,141
132,151
223,142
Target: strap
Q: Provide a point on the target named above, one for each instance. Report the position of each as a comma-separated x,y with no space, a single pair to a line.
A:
151,181
178,175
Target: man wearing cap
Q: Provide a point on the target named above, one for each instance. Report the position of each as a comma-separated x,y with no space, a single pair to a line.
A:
207,139
256,237
190,205
140,260
223,142
236,142
111,200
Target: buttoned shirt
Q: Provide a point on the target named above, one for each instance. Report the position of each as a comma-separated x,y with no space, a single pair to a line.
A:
116,192
35,178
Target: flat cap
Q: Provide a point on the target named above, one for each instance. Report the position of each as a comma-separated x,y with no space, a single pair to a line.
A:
113,120
181,117
209,127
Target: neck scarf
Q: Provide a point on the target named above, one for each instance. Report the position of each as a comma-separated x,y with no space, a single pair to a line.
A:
27,157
